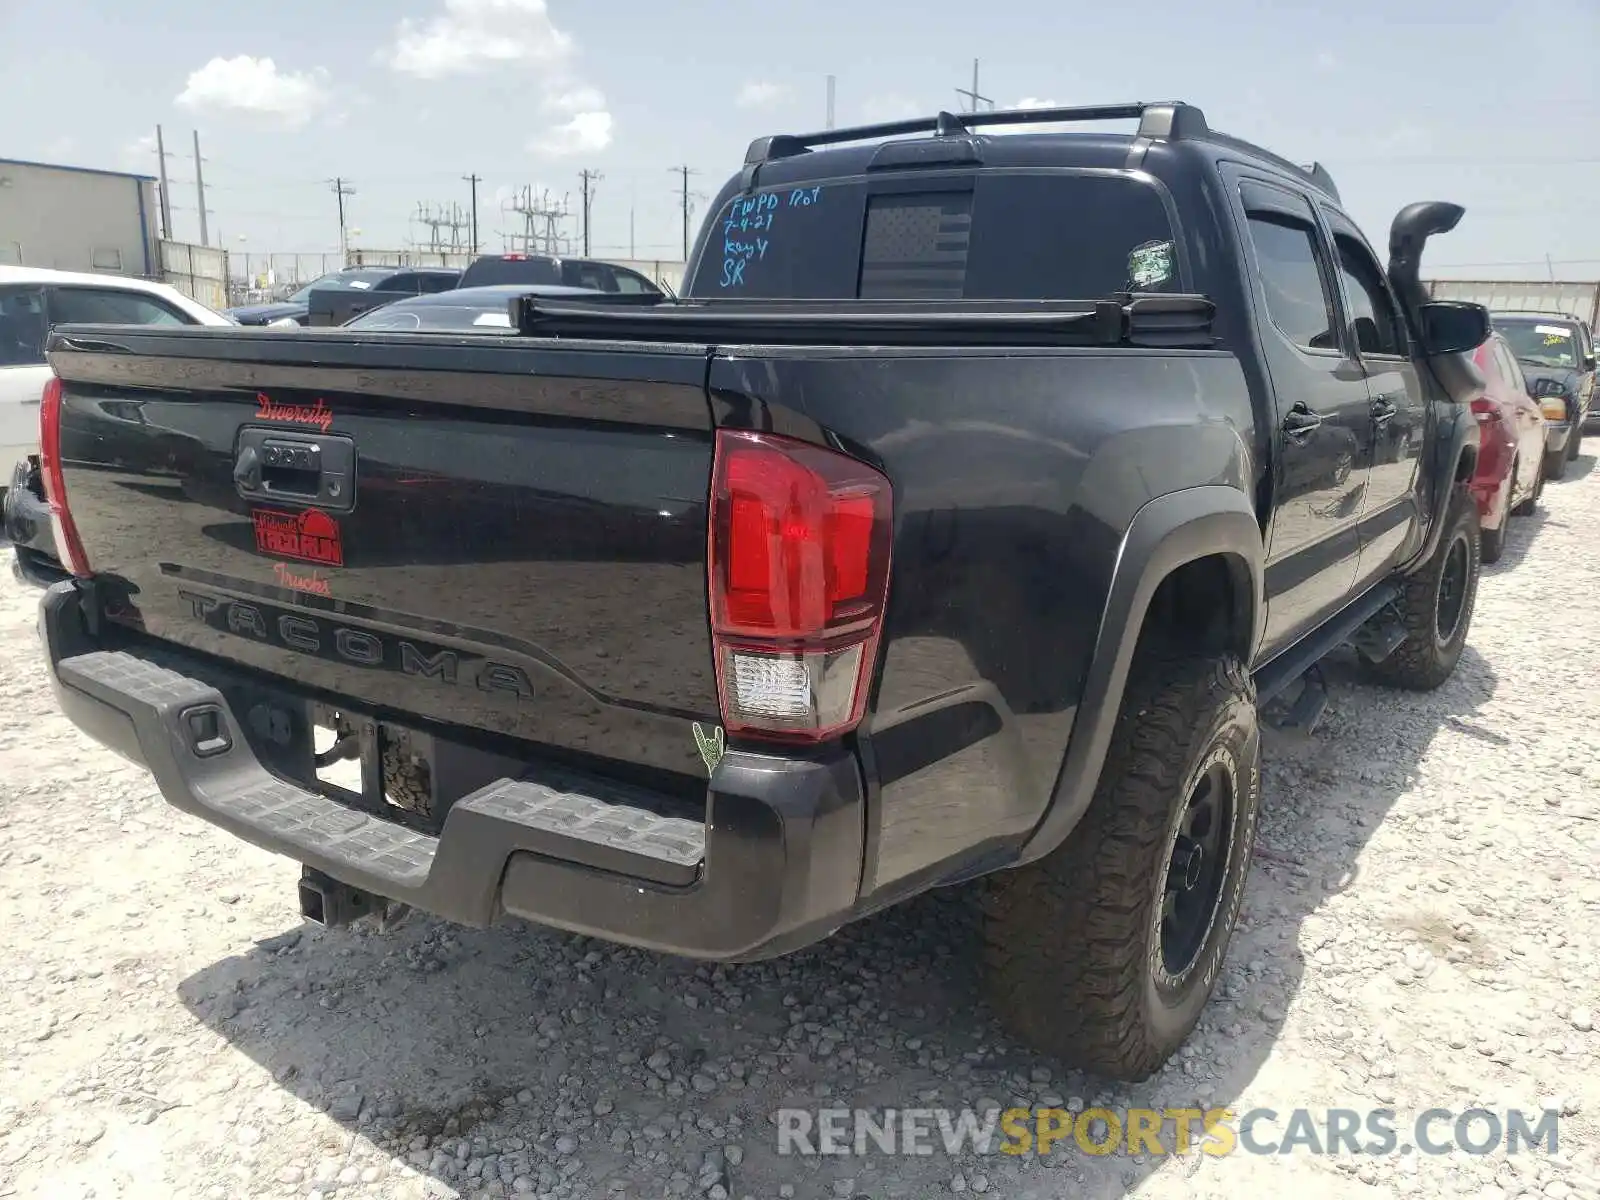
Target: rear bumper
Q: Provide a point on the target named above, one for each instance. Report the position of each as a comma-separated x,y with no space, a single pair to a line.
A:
776,864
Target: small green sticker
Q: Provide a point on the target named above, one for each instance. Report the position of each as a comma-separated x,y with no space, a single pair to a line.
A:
1150,265
711,745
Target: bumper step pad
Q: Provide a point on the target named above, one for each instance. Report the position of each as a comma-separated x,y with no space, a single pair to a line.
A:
445,874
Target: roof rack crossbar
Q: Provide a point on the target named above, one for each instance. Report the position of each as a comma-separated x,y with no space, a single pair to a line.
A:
1166,120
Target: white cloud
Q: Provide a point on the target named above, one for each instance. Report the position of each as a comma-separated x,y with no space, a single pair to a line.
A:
471,34
761,94
1034,102
582,99
255,85
1327,61
584,133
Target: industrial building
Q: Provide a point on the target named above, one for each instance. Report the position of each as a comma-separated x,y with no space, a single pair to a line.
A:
78,219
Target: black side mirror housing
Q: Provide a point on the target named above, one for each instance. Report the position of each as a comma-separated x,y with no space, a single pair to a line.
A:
1588,362
1452,326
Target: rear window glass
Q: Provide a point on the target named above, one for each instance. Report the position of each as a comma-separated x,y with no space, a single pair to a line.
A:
518,270
993,236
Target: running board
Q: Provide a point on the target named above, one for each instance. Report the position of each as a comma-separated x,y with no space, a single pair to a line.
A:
1276,676
1308,709
1381,636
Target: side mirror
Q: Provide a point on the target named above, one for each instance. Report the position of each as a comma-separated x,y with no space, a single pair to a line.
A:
1588,362
1452,326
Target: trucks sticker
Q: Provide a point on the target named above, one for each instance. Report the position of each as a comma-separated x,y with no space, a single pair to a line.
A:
309,536
318,414
313,581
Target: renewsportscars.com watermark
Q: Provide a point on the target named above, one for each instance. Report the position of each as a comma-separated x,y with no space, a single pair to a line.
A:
1163,1132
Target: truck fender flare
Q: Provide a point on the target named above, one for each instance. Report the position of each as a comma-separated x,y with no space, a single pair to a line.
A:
1167,532
1458,438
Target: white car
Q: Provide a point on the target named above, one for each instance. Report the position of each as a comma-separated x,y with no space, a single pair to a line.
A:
32,299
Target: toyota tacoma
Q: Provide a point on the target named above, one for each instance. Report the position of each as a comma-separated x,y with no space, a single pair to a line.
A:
959,520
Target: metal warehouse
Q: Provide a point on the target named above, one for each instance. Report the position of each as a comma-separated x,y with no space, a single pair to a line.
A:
77,218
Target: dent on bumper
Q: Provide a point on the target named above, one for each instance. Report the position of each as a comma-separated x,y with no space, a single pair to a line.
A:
782,843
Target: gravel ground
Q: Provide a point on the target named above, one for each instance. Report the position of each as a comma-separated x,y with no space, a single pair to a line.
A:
1414,937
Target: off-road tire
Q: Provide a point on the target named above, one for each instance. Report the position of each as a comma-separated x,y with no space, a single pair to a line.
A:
1072,942
1427,658
1531,505
1555,464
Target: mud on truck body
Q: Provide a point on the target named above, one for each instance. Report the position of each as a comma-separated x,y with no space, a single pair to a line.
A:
956,522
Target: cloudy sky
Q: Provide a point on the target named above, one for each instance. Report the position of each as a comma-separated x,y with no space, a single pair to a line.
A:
1491,104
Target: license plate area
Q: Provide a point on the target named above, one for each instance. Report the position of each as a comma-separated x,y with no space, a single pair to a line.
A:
393,771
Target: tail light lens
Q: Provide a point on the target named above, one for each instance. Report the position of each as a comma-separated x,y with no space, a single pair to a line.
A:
68,544
1485,409
799,572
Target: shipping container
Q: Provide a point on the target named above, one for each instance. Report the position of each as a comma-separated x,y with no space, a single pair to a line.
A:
1578,299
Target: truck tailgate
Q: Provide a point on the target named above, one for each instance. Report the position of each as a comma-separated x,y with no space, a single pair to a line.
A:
488,533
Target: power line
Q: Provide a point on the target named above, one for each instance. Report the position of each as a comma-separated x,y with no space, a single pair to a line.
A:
341,189
588,178
474,180
687,202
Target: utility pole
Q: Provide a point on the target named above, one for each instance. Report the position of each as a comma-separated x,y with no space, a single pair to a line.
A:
976,97
831,83
341,189
200,189
474,180
589,178
166,198
685,171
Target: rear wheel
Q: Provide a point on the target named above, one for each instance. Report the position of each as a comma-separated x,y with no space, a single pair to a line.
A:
1574,440
1436,604
1105,951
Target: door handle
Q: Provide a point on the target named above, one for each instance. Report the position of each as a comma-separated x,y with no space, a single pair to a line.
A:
1299,421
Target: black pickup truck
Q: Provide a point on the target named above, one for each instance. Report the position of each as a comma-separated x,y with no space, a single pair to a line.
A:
955,523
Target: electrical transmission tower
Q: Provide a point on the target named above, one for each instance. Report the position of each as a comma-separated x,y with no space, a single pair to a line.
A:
543,222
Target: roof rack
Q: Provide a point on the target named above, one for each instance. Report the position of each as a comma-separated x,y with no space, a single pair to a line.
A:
1167,120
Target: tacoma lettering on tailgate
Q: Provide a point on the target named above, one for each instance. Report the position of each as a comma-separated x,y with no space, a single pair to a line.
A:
359,647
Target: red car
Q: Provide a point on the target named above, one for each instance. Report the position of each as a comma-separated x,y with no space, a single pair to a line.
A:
1510,472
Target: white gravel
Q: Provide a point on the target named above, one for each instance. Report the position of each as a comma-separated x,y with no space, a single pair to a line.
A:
1419,933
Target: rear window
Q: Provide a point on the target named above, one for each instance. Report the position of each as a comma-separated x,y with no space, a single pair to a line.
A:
490,271
993,236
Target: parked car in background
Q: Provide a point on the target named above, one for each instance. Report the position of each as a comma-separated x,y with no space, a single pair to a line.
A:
32,299
401,281
1509,476
543,269
1556,354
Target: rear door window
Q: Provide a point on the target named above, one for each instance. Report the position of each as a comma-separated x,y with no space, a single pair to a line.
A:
107,306
23,326
996,235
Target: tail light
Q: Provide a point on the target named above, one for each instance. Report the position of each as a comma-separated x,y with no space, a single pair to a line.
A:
1485,409
799,571
68,544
